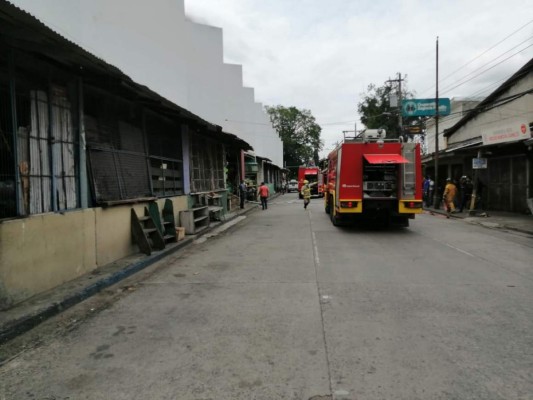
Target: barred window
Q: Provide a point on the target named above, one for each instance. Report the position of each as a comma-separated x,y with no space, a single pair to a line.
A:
207,165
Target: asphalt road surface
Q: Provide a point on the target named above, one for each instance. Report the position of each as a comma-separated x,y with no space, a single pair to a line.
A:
283,305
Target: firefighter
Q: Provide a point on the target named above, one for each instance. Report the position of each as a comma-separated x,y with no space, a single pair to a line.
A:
306,192
450,191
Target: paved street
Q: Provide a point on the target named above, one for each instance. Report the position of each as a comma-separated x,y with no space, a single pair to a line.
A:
283,305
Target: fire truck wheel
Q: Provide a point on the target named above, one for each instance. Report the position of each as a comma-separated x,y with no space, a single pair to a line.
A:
334,217
326,207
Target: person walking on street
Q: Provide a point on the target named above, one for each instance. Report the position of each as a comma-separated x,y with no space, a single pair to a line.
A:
242,193
306,193
448,197
263,194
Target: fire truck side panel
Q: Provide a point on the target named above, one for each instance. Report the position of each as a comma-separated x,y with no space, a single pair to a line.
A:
349,179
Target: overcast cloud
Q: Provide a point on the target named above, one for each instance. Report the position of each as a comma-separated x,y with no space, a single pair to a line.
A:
322,55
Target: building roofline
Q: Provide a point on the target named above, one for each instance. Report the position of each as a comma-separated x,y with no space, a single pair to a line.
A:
527,68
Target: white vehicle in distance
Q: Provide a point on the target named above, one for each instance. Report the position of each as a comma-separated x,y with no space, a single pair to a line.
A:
292,186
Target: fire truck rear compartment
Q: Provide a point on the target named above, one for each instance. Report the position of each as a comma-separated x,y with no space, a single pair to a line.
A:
380,194
380,181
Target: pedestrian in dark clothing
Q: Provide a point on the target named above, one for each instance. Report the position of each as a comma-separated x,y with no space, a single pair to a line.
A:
242,193
263,194
430,191
480,203
466,188
425,190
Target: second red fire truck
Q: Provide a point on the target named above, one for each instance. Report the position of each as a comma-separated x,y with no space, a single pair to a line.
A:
315,178
373,178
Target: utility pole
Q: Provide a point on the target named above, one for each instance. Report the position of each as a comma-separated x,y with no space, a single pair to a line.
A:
436,201
400,120
399,81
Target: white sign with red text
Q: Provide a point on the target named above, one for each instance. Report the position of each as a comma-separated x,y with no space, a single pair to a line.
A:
510,132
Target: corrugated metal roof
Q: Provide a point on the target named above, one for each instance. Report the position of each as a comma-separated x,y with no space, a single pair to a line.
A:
21,30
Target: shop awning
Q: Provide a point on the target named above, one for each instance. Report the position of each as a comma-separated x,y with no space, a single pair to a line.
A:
385,159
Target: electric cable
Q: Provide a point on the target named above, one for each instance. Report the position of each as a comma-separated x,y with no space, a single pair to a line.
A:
475,58
447,88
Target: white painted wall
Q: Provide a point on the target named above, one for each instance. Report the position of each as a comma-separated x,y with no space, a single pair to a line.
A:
514,113
458,108
154,44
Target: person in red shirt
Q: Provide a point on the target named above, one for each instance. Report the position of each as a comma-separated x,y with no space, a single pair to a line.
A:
263,194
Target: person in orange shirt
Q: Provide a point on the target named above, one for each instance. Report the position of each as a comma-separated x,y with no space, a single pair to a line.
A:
450,191
263,194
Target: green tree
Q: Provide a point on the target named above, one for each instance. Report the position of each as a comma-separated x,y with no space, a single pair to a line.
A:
299,133
375,110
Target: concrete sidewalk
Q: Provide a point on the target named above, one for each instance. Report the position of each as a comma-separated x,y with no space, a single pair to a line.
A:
494,219
30,313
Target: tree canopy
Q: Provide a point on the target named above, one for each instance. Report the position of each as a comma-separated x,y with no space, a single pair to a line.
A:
299,133
375,110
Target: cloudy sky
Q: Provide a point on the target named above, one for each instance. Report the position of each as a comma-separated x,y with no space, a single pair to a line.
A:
321,55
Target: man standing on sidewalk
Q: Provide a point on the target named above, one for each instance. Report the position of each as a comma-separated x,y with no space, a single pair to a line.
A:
263,194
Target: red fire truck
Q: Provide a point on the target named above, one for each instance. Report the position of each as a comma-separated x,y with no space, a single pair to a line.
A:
315,178
370,177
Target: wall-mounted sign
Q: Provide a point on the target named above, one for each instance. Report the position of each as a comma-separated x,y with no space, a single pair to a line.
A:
424,107
510,132
479,163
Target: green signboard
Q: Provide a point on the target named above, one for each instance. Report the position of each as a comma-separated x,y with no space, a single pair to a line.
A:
424,107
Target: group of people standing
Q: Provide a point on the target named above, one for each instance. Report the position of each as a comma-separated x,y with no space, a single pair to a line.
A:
456,196
263,192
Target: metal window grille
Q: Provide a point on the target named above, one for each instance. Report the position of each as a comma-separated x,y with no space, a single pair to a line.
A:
166,156
207,165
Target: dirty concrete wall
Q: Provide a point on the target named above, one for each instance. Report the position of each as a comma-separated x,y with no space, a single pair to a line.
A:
113,229
40,252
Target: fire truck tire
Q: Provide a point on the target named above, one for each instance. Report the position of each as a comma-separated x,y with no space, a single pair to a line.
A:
333,216
326,207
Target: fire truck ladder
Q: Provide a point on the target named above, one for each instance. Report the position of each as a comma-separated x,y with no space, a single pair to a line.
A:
409,171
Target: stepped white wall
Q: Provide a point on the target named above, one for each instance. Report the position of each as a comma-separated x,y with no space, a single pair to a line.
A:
154,44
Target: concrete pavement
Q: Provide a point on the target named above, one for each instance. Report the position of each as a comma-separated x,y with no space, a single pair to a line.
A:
28,314
494,219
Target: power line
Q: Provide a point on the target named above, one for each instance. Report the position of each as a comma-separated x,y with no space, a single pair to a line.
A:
475,58
486,51
488,69
501,55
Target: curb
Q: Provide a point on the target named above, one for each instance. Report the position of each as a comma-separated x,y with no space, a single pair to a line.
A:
12,329
461,217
